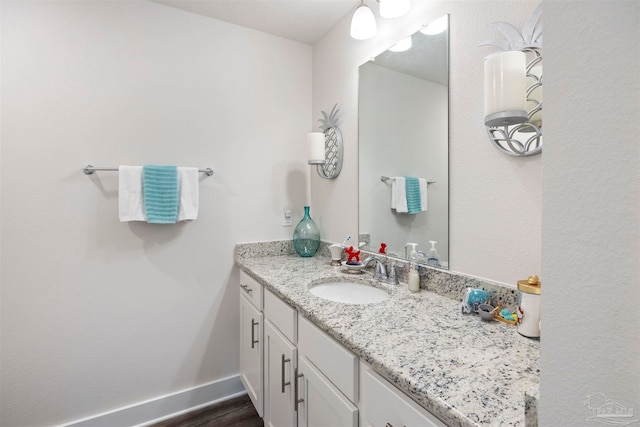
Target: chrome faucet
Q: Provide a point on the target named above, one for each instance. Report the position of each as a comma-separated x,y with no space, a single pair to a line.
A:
381,270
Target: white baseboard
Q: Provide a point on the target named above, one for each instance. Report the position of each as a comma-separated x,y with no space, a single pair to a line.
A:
161,408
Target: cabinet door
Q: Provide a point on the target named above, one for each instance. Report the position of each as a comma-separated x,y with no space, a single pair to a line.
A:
323,405
383,405
279,370
251,370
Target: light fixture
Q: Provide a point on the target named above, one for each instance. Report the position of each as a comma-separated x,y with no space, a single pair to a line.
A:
363,23
513,88
505,88
325,148
436,27
394,8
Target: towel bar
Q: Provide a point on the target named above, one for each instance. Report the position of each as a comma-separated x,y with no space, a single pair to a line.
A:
90,169
386,178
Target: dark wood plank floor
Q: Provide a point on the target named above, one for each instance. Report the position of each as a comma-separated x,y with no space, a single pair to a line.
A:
238,412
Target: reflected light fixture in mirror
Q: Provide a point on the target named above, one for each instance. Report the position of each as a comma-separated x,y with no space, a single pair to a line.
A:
436,27
402,45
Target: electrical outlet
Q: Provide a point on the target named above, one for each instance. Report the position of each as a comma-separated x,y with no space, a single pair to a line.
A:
287,213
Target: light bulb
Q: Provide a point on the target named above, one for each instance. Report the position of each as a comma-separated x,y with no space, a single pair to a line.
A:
394,8
363,23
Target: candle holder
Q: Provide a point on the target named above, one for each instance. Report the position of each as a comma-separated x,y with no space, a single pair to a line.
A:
514,132
328,158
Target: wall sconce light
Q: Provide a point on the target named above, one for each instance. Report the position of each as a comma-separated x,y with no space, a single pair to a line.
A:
513,88
326,148
363,22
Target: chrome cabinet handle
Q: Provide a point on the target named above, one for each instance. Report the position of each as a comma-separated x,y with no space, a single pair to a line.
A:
284,384
295,388
254,341
246,289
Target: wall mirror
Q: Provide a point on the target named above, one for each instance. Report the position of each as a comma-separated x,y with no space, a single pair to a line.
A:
403,130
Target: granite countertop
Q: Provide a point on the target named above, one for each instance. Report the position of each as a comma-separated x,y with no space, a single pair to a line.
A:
465,371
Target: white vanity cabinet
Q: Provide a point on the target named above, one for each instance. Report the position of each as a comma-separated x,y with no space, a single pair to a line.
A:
328,380
251,342
280,362
322,404
383,405
297,375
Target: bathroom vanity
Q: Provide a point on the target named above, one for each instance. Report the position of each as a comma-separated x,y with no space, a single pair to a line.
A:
412,360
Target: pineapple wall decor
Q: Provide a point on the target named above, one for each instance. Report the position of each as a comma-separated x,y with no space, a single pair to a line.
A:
507,129
333,144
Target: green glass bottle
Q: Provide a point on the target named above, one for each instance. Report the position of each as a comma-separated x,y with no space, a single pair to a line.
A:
306,236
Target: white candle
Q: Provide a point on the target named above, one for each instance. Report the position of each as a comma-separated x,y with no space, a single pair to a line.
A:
504,82
315,141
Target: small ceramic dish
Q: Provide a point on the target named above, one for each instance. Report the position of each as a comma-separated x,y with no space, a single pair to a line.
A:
486,311
353,268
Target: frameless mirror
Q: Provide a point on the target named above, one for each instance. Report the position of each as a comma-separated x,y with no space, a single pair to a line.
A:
403,131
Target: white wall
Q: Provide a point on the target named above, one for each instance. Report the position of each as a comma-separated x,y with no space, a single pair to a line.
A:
495,200
98,314
591,209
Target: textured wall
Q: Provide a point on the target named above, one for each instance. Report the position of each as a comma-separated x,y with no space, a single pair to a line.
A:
98,314
591,210
495,200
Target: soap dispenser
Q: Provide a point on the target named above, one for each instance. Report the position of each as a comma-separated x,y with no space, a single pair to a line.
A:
433,258
414,275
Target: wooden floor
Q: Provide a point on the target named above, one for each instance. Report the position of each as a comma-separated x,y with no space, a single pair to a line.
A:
238,412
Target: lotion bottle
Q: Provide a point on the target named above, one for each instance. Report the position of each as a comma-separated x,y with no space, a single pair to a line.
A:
414,275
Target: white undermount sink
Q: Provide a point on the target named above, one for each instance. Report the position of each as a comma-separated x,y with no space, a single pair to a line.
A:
348,292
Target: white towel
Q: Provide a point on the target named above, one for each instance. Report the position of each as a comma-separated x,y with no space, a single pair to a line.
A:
423,193
399,194
130,196
189,189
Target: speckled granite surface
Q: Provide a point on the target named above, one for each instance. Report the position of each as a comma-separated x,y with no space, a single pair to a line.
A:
531,407
465,371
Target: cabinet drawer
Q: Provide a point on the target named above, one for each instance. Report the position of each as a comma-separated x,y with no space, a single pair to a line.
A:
382,404
338,364
281,314
252,289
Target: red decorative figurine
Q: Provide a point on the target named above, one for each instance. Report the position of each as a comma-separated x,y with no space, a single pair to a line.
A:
354,256
383,248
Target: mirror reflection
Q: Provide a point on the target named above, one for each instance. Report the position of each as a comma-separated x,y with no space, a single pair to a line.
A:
403,126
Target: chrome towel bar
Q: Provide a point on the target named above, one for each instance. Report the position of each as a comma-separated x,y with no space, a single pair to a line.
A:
90,169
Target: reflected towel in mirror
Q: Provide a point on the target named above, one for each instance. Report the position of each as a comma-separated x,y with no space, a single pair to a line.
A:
408,194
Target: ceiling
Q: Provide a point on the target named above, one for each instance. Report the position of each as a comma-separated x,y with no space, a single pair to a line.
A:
305,21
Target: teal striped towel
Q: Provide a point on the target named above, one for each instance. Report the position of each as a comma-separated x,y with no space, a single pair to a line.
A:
414,202
160,189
